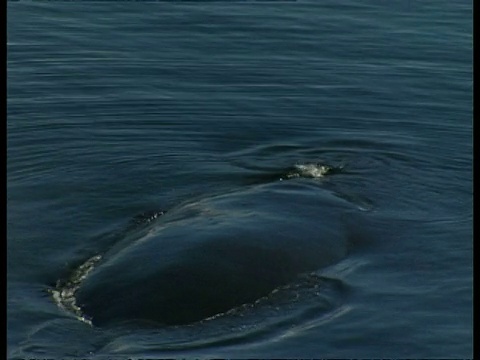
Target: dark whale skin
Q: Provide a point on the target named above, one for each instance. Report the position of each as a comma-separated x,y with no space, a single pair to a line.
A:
209,256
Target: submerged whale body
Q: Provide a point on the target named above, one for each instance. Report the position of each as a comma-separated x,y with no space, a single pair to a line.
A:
210,256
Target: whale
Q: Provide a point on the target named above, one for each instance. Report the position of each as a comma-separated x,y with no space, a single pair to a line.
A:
210,255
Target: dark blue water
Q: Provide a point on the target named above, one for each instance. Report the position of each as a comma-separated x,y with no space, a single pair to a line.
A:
239,179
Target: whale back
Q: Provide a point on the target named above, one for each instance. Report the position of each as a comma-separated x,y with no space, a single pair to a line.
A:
209,256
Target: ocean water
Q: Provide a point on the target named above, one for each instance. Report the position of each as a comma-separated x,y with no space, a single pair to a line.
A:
239,179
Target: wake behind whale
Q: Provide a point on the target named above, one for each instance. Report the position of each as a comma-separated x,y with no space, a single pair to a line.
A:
207,257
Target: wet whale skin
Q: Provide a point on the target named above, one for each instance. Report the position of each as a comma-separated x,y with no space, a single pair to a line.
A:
212,255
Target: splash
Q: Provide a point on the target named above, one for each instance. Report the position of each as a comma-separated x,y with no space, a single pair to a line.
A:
314,170
64,292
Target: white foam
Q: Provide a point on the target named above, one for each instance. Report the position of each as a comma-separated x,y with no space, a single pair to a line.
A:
64,293
313,170
309,171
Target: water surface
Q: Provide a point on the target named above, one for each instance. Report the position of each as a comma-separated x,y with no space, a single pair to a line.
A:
120,111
